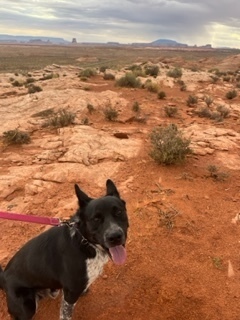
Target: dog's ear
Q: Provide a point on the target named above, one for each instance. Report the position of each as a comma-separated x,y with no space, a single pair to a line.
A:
111,189
83,198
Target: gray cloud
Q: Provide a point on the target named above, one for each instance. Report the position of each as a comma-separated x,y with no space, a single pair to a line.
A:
191,21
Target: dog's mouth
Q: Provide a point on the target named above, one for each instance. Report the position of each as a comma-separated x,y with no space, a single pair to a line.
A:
118,254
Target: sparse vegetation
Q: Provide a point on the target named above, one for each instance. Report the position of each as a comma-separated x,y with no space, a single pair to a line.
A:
151,86
161,95
16,137
170,111
136,107
204,112
110,113
152,70
129,81
208,100
17,83
44,114
231,94
62,118
175,73
217,262
167,217
168,145
108,76
217,175
192,100
224,111
32,88
90,108
87,73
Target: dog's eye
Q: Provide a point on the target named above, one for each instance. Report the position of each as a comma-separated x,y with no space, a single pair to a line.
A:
97,218
118,213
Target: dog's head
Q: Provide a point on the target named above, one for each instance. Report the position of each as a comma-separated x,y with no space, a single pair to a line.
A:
104,221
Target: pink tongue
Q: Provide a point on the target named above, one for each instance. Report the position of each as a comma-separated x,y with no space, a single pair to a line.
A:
118,254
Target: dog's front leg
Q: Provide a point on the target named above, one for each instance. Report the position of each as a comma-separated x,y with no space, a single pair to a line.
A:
66,310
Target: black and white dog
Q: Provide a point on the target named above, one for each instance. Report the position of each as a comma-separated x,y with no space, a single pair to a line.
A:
69,257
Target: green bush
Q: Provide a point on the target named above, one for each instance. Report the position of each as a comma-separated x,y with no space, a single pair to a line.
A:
224,111
170,111
175,73
110,113
108,76
88,72
168,145
129,81
151,86
152,70
231,94
90,108
161,95
192,100
208,100
62,118
136,107
16,137
33,88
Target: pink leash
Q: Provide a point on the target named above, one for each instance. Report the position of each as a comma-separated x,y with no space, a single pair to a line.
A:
29,218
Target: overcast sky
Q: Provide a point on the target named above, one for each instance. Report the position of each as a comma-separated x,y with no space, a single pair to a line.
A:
187,21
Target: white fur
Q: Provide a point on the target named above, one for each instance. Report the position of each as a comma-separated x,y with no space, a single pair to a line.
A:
95,265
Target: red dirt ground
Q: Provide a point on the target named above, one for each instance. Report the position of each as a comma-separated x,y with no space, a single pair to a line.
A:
177,268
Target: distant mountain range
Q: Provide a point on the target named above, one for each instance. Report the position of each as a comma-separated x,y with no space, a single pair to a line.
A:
31,39
5,38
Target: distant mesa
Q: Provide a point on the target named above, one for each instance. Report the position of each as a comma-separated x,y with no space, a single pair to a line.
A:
167,43
6,38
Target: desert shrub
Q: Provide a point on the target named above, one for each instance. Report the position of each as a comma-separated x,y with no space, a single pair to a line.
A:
170,111
216,174
208,100
226,78
110,113
231,94
108,76
88,72
16,137
204,112
85,121
90,108
151,86
192,100
214,79
33,88
30,80
103,68
129,81
84,79
161,95
175,73
44,114
136,107
17,83
183,87
216,116
168,145
62,118
152,70
224,111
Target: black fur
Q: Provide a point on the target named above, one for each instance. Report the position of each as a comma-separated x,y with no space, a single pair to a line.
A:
60,257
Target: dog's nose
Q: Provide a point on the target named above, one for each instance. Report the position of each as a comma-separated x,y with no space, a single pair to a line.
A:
115,237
